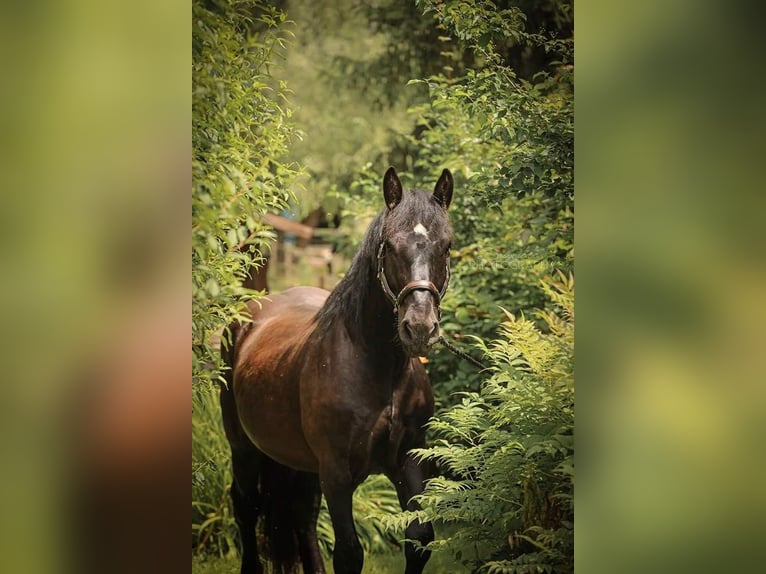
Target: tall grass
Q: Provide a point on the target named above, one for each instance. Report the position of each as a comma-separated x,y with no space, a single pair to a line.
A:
213,528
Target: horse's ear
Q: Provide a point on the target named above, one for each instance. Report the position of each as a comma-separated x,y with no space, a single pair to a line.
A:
443,189
392,188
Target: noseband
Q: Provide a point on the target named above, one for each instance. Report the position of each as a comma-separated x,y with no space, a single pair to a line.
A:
419,285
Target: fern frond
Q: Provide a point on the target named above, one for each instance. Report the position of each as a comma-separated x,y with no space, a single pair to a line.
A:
508,451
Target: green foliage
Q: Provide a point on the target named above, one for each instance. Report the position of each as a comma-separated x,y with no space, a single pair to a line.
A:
346,109
507,451
412,46
213,527
510,142
240,132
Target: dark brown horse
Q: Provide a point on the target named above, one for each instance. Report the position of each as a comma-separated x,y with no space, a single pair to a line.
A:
326,388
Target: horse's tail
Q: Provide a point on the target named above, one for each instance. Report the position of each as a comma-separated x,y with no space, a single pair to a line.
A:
278,484
228,406
229,339
230,342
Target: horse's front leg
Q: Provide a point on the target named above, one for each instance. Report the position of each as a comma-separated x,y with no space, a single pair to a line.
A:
409,480
338,488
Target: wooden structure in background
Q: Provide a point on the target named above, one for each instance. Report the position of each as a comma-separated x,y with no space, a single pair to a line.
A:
289,226
313,247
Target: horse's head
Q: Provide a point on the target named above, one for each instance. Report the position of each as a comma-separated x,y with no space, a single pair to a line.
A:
413,258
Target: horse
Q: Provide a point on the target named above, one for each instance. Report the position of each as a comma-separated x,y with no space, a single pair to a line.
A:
325,388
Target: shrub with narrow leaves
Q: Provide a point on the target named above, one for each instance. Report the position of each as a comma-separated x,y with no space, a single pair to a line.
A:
240,137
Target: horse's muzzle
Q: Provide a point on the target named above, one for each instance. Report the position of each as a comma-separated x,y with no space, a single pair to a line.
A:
419,326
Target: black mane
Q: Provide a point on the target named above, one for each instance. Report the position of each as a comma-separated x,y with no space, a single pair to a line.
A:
346,302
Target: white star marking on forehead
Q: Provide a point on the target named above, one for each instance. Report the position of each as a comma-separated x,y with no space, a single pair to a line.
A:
420,230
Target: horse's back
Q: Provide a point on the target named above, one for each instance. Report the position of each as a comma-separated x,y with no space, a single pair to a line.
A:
302,300
265,378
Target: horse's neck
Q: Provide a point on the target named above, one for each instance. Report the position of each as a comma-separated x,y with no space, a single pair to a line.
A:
378,326
359,307
376,330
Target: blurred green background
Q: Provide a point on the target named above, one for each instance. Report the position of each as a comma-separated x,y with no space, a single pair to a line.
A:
669,141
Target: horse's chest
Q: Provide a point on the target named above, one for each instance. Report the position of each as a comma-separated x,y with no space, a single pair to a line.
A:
393,433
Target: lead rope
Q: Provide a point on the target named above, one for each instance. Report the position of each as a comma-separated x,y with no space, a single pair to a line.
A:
462,354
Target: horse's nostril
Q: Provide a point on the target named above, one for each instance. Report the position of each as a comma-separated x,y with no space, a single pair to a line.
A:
425,332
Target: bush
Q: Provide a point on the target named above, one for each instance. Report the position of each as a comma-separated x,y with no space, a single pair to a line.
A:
508,452
240,132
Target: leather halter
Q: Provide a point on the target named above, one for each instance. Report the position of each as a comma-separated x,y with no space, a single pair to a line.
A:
419,285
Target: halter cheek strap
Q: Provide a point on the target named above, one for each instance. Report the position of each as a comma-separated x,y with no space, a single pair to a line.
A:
419,285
